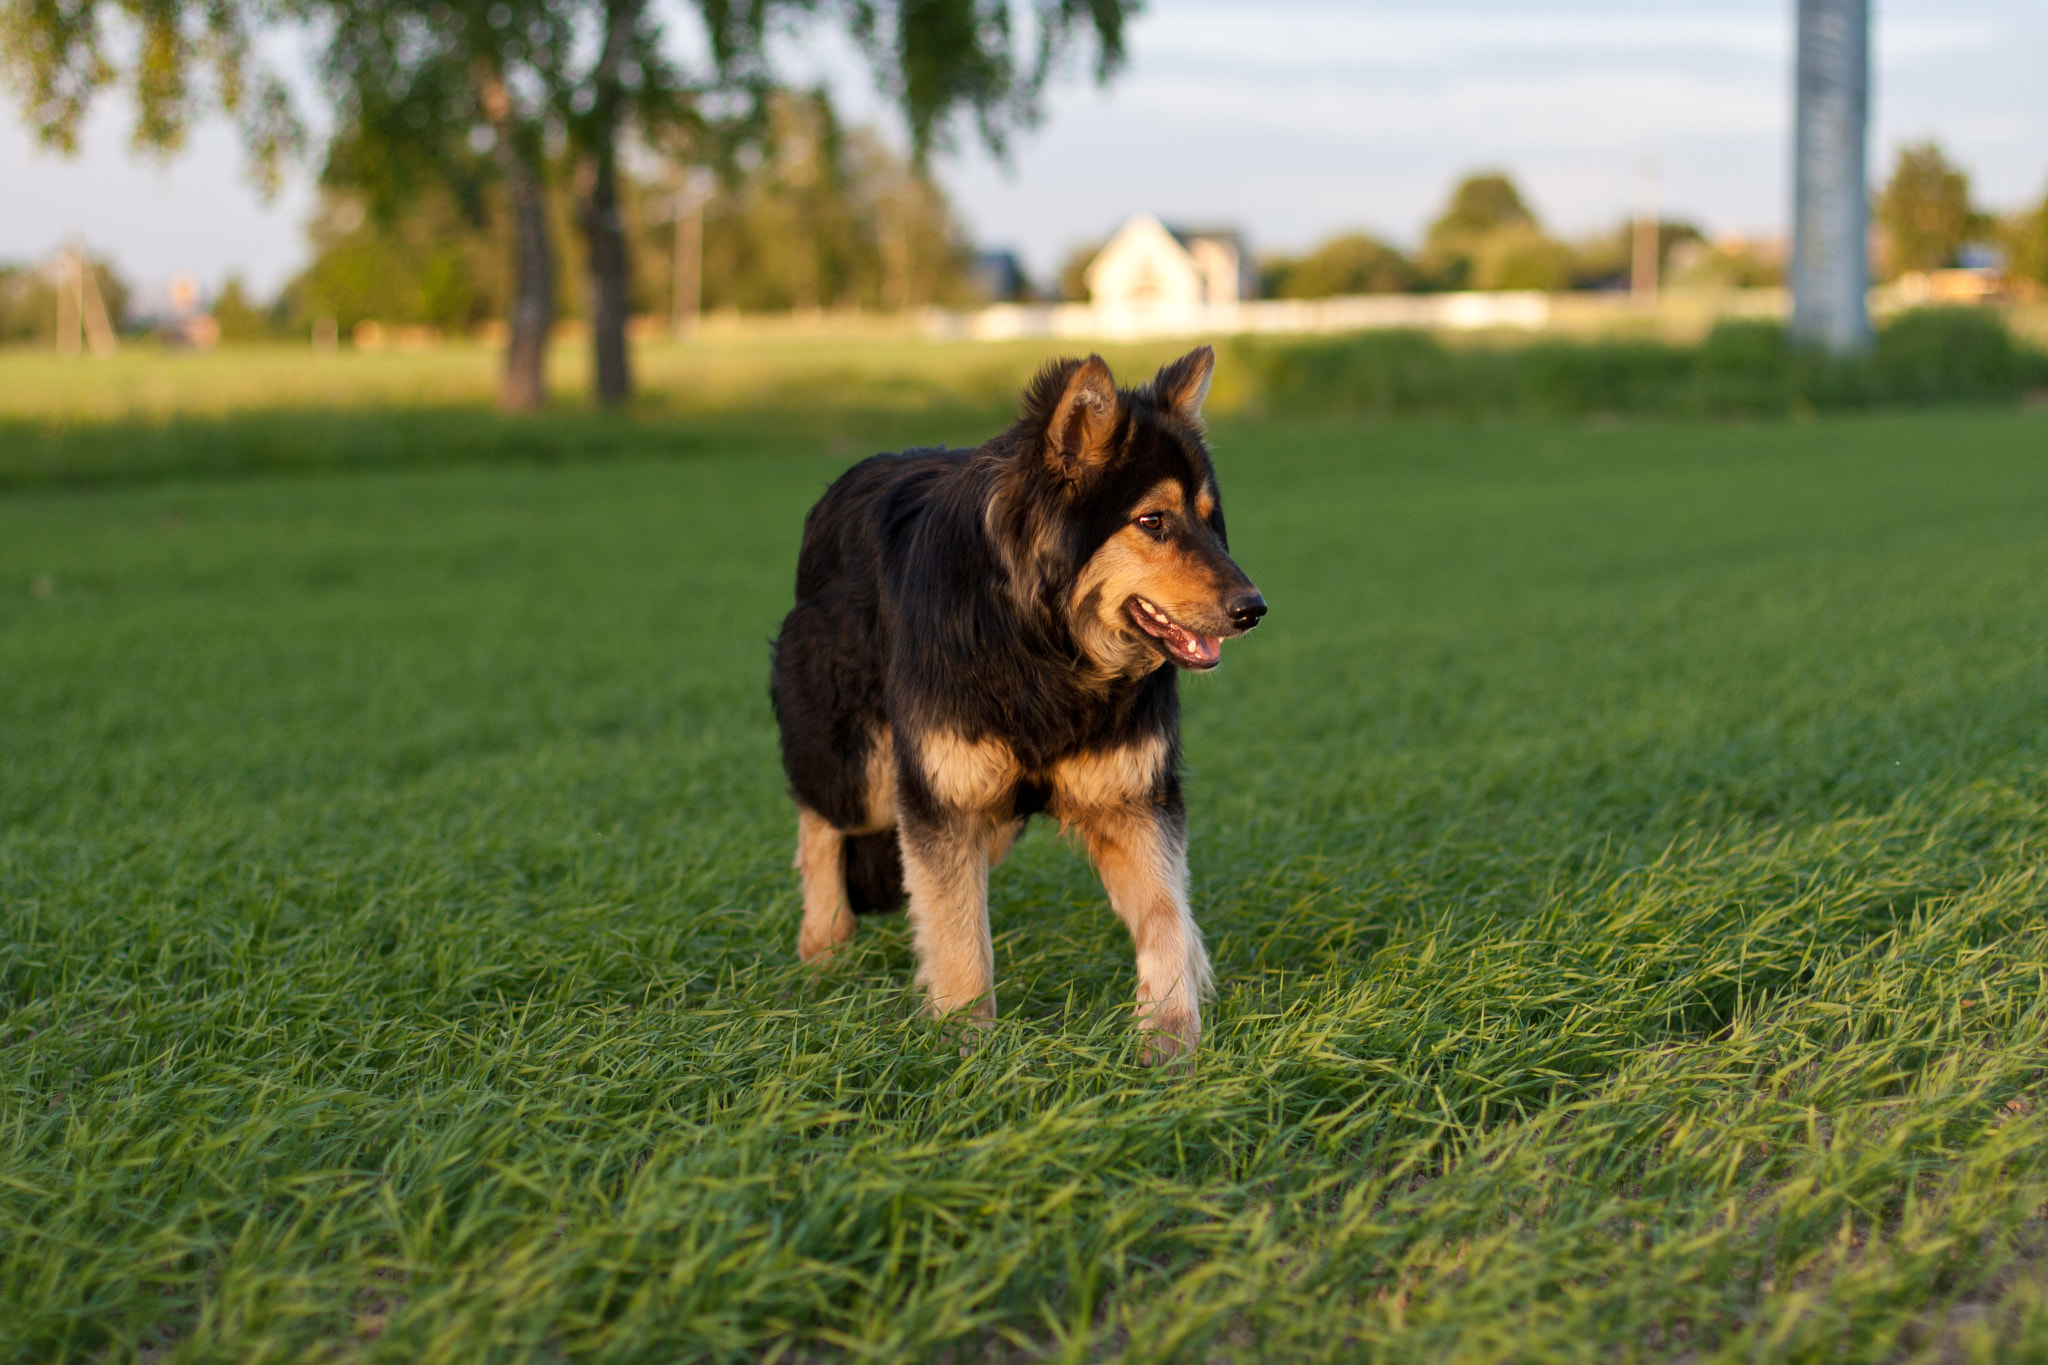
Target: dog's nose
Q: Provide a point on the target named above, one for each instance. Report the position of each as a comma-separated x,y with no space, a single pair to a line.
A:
1246,609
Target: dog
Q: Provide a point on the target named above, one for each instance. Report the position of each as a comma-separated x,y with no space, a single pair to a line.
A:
983,635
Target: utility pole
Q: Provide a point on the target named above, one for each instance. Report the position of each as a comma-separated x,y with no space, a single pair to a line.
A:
70,304
81,311
1830,194
1648,238
689,263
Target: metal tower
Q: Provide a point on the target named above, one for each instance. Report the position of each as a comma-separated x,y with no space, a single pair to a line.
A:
1830,197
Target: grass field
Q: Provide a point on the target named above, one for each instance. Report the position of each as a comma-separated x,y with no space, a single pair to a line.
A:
1622,851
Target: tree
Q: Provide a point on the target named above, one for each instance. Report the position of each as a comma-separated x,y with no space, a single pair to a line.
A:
426,263
1925,210
1481,205
2026,246
1520,256
592,70
445,96
1353,263
827,218
240,319
176,58
427,89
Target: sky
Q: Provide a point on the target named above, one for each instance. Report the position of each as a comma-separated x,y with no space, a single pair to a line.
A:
1289,120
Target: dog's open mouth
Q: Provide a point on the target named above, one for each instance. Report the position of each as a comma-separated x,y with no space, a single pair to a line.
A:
1182,645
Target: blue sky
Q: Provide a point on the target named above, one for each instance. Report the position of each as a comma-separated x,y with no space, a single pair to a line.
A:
1291,119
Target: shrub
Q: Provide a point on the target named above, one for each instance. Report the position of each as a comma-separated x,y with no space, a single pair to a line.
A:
1742,368
1933,355
1562,379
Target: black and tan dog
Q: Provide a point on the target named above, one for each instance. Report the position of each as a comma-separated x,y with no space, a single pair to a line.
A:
982,635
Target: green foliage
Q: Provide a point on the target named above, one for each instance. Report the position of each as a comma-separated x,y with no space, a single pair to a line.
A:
1482,207
1520,257
1731,263
425,263
1925,211
1621,852
1936,354
1351,263
821,217
240,318
826,218
1482,203
1488,240
2026,245
1741,368
174,61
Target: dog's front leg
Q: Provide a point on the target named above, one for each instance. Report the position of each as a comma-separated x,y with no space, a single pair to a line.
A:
1142,856
945,871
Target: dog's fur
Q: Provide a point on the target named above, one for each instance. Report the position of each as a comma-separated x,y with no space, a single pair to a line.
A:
971,645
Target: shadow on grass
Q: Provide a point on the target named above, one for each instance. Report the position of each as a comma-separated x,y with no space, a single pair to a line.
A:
85,454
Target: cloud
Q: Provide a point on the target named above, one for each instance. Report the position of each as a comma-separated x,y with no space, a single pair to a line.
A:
1596,109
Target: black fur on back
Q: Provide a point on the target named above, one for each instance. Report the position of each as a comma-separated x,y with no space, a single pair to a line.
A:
932,591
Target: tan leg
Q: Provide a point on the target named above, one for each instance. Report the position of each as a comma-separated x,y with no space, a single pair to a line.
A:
820,858
1142,858
945,870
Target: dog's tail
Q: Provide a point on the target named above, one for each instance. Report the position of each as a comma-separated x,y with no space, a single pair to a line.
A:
874,873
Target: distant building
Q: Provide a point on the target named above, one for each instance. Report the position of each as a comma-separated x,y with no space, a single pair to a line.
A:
999,277
1149,268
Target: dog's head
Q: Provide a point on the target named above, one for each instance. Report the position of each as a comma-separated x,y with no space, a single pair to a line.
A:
1143,572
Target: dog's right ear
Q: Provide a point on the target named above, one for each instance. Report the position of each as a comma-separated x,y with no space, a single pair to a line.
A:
1080,429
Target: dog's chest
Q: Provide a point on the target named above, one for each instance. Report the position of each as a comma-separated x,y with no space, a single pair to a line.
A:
987,775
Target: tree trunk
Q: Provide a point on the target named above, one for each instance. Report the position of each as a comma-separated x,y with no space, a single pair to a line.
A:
608,281
533,278
603,232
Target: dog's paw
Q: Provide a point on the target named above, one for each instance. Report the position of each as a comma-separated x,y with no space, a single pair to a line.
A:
1170,1036
816,944
966,1031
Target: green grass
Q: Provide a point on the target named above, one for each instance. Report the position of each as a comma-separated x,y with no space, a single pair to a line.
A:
149,413
1622,852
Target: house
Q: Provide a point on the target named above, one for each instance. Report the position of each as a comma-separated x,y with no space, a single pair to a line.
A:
999,276
1149,269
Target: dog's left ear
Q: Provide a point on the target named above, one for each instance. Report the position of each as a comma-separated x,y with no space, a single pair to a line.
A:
1181,387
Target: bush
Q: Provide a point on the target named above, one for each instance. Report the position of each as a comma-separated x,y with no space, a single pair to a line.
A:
1566,378
1382,373
1742,368
1936,354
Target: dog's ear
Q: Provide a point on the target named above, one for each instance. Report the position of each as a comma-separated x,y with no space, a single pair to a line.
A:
1080,433
1181,387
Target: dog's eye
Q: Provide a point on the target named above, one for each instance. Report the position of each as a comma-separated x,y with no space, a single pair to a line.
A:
1152,521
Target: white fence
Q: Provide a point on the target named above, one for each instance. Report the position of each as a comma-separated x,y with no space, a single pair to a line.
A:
1517,310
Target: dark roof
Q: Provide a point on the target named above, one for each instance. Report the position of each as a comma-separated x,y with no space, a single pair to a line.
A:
1187,235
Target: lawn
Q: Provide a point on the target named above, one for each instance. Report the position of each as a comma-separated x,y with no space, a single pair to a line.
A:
1622,851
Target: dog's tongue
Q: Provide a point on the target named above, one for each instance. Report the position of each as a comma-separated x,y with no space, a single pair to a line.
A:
1197,651
1204,649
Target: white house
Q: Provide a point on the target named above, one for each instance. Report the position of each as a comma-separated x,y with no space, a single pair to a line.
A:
1153,281
1150,270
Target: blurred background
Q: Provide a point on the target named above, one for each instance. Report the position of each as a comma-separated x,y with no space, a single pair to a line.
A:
1624,849
319,176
